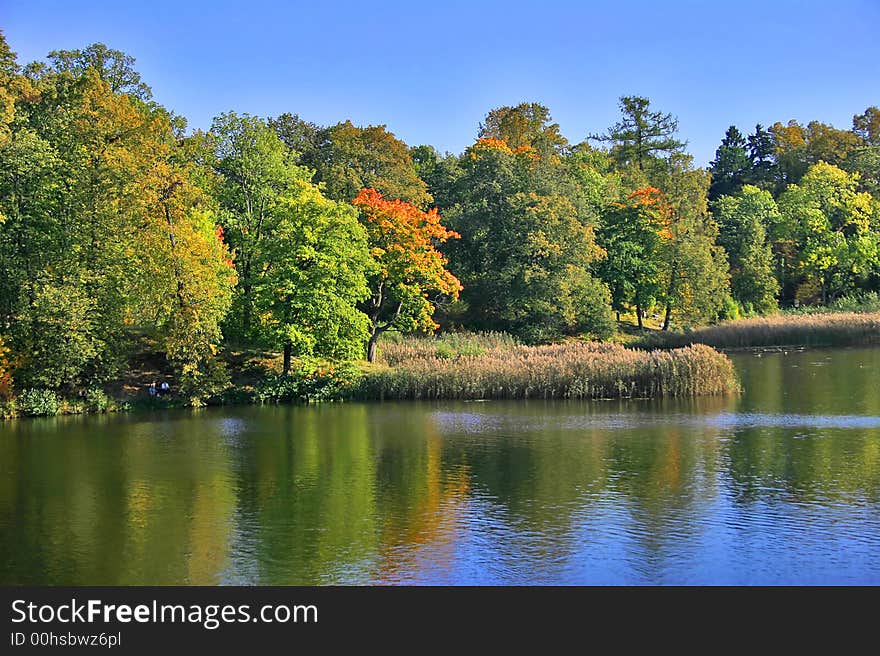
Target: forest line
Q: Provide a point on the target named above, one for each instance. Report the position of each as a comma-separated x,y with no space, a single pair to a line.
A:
120,230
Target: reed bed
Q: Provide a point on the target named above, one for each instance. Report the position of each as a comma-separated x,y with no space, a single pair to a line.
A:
397,349
577,370
843,329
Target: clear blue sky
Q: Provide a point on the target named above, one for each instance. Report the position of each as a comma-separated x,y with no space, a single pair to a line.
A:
431,70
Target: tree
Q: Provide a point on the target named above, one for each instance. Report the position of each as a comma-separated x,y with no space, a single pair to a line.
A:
114,67
14,88
695,272
633,235
189,278
641,134
798,147
763,171
867,126
828,144
743,220
254,170
300,136
313,278
350,158
731,165
790,146
301,257
835,230
410,271
526,125
528,246
865,162
106,236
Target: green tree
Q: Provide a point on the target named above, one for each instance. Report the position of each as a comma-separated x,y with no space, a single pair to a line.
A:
526,125
743,220
763,170
300,136
867,126
301,258
313,277
835,232
695,273
254,170
632,234
731,166
528,246
641,135
350,158
113,66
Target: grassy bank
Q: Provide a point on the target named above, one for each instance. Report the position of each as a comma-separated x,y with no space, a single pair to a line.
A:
454,366
576,370
807,330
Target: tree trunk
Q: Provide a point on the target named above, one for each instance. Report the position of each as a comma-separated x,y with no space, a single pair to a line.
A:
639,315
618,317
668,317
288,351
371,345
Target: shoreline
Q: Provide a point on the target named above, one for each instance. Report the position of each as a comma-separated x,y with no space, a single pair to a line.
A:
444,367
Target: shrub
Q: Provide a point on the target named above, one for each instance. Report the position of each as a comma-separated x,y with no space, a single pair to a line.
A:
8,409
311,381
202,380
38,403
97,401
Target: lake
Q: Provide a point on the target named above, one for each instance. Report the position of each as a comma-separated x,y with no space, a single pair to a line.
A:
780,485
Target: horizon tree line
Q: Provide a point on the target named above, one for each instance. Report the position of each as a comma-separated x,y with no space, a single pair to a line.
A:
120,230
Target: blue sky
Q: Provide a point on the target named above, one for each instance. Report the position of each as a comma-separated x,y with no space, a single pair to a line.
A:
431,70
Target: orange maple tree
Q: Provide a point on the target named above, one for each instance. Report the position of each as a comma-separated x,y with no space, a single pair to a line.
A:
410,273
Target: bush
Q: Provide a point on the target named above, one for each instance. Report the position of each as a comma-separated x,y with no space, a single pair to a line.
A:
312,380
8,409
97,401
38,403
202,380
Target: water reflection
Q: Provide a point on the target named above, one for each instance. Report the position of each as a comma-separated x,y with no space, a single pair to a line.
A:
779,485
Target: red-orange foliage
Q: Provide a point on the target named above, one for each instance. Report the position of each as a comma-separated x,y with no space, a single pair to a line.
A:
654,199
5,372
403,242
491,143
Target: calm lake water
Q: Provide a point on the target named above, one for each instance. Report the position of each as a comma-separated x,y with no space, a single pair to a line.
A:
779,485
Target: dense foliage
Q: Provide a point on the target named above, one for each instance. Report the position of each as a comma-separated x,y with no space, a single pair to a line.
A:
125,238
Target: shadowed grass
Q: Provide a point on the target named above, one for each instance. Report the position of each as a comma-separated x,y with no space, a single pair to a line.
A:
843,329
576,370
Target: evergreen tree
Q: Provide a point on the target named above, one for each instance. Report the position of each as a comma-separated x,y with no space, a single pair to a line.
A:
641,135
731,166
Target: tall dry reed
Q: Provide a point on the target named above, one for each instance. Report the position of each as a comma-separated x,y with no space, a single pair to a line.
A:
843,329
566,371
